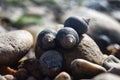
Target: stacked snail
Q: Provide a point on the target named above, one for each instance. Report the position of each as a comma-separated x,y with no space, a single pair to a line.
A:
68,51
66,54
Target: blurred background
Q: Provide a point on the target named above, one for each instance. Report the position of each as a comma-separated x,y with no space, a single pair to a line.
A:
19,13
35,15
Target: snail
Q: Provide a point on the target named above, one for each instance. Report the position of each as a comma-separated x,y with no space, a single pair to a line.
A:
77,23
67,38
14,45
46,39
51,63
98,24
84,69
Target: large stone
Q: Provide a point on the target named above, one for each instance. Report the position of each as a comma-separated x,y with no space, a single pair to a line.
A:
87,49
14,45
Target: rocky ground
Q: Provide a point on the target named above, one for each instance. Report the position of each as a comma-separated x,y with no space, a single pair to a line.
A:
59,40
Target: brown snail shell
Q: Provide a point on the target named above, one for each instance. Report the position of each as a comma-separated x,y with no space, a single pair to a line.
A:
14,45
87,49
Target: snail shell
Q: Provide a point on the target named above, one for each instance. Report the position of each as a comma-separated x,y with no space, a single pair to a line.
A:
67,38
51,63
77,23
46,39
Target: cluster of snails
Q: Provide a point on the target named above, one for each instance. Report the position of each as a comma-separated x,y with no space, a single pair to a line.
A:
66,54
67,37
62,51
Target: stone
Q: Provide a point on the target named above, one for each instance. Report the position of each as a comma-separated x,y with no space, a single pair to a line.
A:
14,45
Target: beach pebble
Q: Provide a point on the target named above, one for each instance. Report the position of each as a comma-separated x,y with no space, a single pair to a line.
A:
106,76
87,49
63,76
84,69
14,45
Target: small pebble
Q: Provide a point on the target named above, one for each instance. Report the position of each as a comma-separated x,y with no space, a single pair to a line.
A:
106,76
115,70
63,76
9,77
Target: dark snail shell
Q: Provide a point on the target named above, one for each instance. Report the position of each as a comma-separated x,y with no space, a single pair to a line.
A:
67,38
51,63
79,24
46,39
